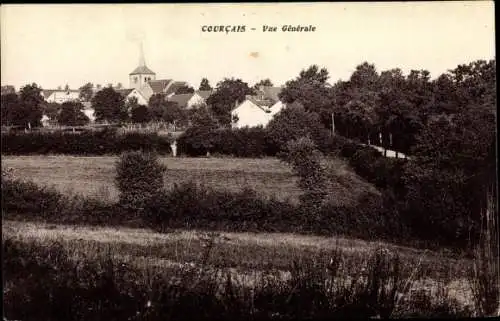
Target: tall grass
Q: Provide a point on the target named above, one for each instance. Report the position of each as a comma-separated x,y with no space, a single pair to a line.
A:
485,273
48,282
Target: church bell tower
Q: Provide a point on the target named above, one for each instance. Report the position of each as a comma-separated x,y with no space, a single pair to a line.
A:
142,74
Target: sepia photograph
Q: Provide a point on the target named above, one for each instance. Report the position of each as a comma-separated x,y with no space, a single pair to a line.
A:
249,161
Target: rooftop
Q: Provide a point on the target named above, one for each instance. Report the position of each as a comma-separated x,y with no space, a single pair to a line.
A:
159,85
142,70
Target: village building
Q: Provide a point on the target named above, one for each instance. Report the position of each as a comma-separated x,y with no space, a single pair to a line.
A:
60,95
189,101
257,110
133,93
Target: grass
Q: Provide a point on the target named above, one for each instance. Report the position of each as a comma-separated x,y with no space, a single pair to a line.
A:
242,251
299,276
94,176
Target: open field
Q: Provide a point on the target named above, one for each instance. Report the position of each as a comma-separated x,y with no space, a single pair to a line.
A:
94,176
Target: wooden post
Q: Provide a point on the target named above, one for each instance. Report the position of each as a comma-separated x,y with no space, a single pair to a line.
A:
333,124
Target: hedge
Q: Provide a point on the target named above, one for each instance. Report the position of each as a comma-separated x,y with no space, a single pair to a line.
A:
85,143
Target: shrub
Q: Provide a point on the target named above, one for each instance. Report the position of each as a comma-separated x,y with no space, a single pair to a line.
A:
305,160
139,176
243,142
26,200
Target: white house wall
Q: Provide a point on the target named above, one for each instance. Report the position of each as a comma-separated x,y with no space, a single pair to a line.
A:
140,98
62,97
195,100
249,115
89,113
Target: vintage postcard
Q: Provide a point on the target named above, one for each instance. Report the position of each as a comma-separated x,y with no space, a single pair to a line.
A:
249,161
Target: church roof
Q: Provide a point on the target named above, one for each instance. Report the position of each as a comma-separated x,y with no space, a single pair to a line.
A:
124,92
142,70
175,86
158,86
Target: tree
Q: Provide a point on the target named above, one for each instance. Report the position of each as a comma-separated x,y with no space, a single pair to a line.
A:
205,85
295,122
86,92
140,114
184,90
119,85
310,89
8,89
9,104
109,105
51,109
199,136
265,82
157,104
28,112
131,104
66,88
173,113
443,182
71,115
227,94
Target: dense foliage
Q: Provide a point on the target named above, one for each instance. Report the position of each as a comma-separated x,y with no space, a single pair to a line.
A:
139,176
71,114
102,142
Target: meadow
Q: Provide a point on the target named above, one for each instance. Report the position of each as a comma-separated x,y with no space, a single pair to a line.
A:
94,176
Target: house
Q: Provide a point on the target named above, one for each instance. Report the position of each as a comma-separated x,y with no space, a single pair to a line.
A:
60,96
182,100
133,92
199,98
257,110
189,101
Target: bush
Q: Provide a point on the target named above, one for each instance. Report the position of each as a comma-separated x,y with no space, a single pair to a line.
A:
301,154
189,205
139,176
102,142
243,142
28,201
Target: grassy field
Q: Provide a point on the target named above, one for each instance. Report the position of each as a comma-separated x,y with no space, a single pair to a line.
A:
94,176
244,253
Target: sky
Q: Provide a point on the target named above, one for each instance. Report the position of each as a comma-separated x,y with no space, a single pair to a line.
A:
55,45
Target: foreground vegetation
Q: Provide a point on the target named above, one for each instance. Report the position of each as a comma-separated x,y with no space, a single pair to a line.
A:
59,279
142,280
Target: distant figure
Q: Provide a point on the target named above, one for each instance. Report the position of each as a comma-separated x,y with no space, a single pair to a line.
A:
173,146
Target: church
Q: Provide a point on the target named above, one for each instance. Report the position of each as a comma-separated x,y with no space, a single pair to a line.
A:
143,83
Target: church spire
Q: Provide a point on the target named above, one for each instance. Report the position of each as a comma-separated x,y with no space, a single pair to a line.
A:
142,61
